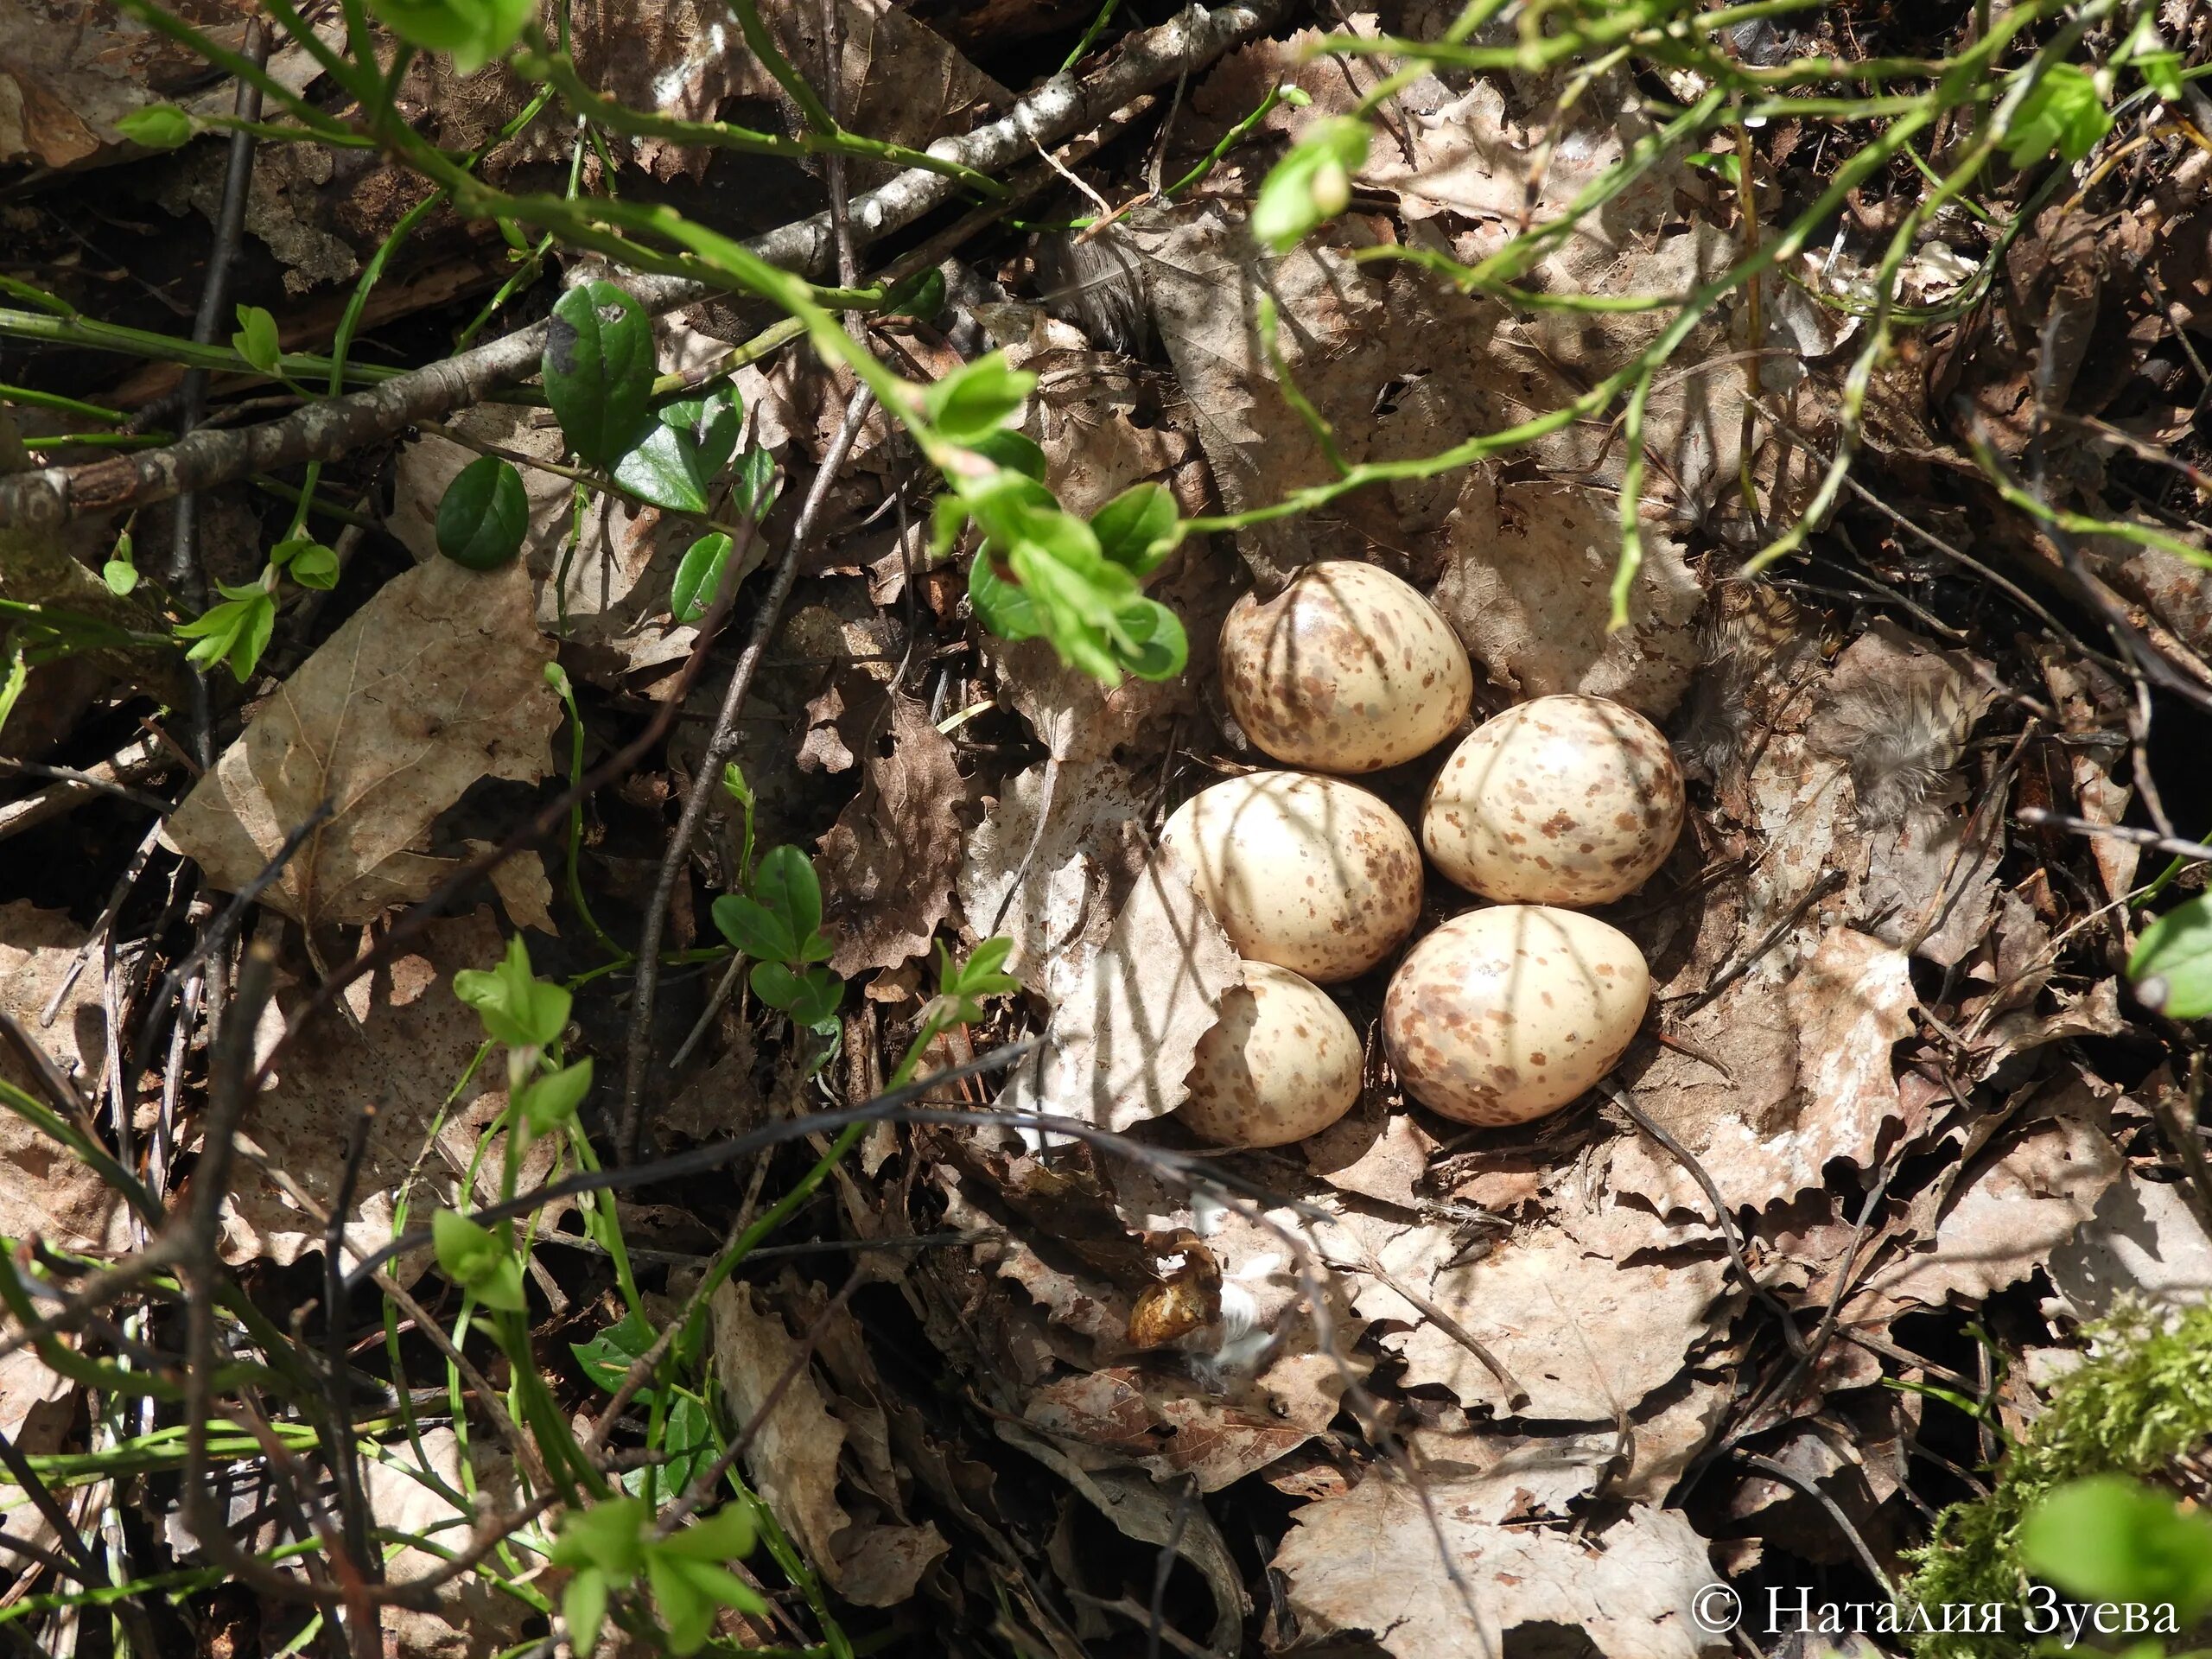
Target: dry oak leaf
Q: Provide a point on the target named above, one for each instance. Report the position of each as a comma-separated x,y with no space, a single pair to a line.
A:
436,683
1118,1050
889,862
1810,1079
45,1193
1588,1337
794,1455
1368,1563
1169,1429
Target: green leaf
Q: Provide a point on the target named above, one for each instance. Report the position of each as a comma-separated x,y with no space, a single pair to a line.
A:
158,126
583,1608
699,578
1007,610
2161,73
479,1261
474,32
2061,112
598,370
976,399
308,563
1311,184
2172,965
687,1606
548,1103
811,998
920,296
255,339
679,453
120,574
2111,1539
1161,649
725,1535
687,1441
754,929
609,1536
787,885
484,515
1136,529
607,1357
961,985
756,485
1015,451
236,631
517,1007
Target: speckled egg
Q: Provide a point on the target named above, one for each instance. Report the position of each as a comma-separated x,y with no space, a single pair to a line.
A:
1503,1014
1308,872
1564,800
1283,1064
1347,670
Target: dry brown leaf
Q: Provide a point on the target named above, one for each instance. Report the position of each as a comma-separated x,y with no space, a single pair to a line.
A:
471,1619
416,1038
2144,1243
794,1460
1377,1154
1118,1050
1587,1337
1527,582
888,863
2008,1217
433,684
1368,1563
38,1408
1171,1430
45,1193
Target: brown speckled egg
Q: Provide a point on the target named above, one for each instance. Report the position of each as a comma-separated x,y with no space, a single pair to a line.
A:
1564,800
1283,1064
1503,1014
1311,873
1347,670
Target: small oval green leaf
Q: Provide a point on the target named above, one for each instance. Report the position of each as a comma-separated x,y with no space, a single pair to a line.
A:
2171,968
699,578
484,514
598,370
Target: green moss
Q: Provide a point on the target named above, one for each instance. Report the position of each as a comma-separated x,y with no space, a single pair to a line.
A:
2144,1397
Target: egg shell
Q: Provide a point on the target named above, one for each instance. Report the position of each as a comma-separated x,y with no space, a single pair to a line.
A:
1283,1064
1563,800
1311,873
1505,1014
1347,670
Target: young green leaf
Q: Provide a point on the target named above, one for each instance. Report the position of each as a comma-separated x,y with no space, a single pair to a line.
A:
1016,451
976,399
598,370
1006,610
605,1547
517,1007
786,884
1154,646
961,985
119,573
307,561
699,578
479,1261
2171,968
236,631
1311,184
474,32
2111,1539
920,296
1136,529
484,515
754,929
740,793
255,339
158,126
811,997
2061,112
547,1102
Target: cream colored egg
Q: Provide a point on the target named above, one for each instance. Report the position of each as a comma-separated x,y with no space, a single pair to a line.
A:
1283,1064
1347,670
1308,872
1503,1014
1564,800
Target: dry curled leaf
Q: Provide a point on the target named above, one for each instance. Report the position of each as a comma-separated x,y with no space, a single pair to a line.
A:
888,863
436,683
